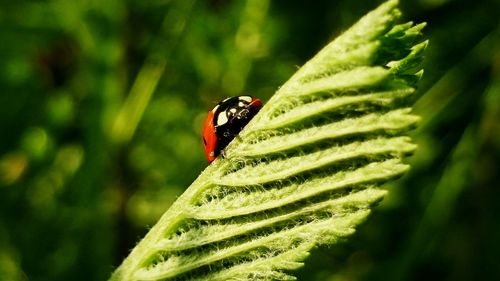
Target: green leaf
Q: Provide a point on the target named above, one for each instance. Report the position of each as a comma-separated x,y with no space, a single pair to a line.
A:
304,172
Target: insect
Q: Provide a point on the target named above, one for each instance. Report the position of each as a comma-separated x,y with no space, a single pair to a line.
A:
225,121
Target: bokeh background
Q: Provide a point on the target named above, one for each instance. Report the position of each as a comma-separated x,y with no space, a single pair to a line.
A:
102,103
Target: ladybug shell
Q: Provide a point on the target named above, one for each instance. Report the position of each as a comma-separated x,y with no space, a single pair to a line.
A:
209,137
225,121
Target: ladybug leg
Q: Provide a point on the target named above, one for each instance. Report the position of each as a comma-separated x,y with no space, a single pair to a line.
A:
223,154
243,114
238,137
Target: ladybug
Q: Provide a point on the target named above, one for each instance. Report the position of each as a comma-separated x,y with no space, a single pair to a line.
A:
225,121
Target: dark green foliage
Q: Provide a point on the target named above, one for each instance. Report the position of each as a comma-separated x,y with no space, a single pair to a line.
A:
78,188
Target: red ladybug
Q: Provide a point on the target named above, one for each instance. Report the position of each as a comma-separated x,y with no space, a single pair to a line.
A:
225,121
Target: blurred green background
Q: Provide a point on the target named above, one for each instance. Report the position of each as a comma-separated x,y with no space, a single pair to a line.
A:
102,102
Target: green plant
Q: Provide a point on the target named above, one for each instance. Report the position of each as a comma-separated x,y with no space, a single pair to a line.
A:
304,172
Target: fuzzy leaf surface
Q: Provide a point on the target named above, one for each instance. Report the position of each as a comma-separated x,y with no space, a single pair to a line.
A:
305,171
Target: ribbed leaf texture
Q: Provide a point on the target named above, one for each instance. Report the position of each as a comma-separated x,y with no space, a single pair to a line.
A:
304,172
